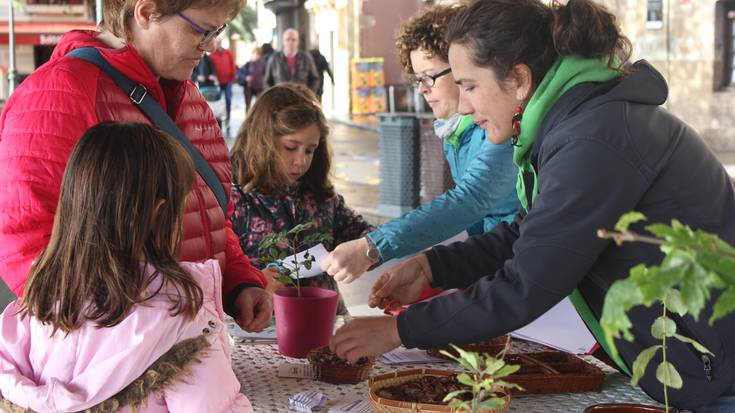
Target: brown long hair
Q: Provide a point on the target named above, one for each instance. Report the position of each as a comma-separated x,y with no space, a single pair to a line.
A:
121,203
505,33
116,14
281,110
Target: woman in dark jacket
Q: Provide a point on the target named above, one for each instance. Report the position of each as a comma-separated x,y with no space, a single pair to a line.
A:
592,143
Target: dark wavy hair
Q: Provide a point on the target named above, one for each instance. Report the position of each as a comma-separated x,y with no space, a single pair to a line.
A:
121,204
426,31
281,110
504,33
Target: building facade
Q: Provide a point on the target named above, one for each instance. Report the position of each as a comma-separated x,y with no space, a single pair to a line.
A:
692,43
39,25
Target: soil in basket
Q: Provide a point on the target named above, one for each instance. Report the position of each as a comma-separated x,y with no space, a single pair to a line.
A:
426,389
327,357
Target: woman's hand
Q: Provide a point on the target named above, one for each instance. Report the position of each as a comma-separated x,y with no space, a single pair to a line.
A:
364,337
348,261
401,284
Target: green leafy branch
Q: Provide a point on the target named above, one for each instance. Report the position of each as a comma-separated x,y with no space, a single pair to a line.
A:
695,263
276,247
483,381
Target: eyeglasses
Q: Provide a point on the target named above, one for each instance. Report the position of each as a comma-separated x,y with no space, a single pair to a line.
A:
429,80
207,35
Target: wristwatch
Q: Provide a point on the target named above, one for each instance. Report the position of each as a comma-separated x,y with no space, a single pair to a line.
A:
372,251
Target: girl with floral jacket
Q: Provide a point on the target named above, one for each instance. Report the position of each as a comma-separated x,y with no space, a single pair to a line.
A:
280,164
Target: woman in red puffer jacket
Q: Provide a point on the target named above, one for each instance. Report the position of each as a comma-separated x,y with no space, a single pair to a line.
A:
155,43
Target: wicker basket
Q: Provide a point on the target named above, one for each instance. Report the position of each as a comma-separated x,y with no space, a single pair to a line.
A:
493,347
339,373
382,405
554,372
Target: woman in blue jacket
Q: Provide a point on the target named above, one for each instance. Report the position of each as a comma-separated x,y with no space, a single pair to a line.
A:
484,173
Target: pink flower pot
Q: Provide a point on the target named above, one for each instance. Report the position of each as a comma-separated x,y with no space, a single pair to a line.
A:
306,322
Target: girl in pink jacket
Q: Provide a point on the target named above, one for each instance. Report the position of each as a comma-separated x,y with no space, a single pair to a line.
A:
110,321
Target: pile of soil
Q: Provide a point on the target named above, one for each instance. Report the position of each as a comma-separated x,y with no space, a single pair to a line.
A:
426,389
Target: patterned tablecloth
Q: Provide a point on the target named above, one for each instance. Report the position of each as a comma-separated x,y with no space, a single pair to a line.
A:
256,364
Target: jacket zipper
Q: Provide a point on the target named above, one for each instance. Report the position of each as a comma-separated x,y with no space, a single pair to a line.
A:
704,358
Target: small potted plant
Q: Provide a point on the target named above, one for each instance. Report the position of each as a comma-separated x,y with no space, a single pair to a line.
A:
480,389
331,368
304,315
692,258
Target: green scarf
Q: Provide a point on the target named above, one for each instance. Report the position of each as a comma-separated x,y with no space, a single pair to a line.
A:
464,123
566,72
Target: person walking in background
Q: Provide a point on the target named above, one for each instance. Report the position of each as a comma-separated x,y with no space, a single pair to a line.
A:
485,175
107,305
281,163
322,65
156,44
252,74
292,64
225,69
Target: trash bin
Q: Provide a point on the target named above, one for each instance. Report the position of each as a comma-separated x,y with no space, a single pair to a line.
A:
400,177
436,178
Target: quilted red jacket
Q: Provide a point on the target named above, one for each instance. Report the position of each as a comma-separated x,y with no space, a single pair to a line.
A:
46,115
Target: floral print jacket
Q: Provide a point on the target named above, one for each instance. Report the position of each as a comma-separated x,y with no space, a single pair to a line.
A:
257,214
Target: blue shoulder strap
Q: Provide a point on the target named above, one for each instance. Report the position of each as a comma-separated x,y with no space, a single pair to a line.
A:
139,96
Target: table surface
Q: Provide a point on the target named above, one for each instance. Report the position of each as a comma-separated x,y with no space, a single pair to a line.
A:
256,365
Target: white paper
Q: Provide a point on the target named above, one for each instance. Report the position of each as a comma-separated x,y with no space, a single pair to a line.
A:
268,334
403,355
306,401
560,328
457,238
317,251
352,404
296,371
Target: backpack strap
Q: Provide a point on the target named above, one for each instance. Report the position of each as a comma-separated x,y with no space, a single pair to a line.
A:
138,94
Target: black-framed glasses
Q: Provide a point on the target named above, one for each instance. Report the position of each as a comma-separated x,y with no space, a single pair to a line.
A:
207,35
429,80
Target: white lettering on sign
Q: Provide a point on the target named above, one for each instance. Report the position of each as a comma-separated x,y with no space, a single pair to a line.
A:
50,38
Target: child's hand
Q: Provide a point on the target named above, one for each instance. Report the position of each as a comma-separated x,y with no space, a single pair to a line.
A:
271,273
255,309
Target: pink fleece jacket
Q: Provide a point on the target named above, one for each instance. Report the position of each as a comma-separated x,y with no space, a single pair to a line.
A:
71,373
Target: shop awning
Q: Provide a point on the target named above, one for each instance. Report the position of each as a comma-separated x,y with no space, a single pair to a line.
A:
41,33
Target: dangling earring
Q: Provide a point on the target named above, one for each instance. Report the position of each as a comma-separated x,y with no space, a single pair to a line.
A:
516,123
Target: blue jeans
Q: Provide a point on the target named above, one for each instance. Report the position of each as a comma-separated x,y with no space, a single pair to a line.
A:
723,404
227,89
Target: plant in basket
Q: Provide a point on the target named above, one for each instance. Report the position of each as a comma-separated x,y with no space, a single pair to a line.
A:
696,266
304,315
333,369
480,389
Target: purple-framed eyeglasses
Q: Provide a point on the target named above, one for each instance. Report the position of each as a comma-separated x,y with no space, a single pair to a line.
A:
207,35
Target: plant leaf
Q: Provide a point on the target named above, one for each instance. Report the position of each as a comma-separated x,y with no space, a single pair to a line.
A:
700,348
491,403
622,295
641,362
673,302
454,394
465,379
724,305
285,279
627,219
663,327
666,373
